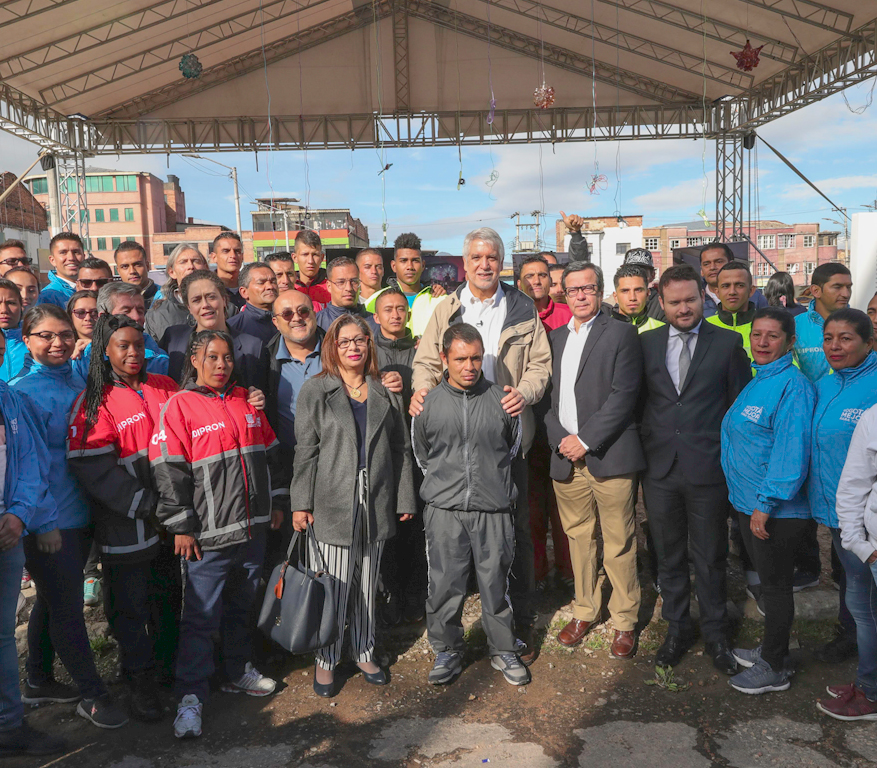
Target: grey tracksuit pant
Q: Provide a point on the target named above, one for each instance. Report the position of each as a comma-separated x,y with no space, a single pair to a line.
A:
452,538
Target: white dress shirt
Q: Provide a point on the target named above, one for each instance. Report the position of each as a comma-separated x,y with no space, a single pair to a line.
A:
568,413
488,317
674,347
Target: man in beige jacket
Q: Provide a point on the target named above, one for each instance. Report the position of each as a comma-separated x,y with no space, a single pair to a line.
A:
518,358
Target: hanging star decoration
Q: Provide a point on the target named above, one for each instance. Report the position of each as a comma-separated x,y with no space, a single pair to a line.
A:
747,57
543,96
190,66
599,183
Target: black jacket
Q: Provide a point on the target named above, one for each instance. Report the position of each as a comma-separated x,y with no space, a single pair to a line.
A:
688,425
606,389
250,354
165,312
398,355
653,306
254,321
330,313
149,294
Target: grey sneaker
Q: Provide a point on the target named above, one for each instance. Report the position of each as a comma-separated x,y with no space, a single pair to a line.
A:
760,678
512,668
448,664
747,657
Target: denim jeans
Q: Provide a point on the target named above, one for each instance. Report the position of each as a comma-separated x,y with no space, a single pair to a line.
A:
219,592
11,709
862,604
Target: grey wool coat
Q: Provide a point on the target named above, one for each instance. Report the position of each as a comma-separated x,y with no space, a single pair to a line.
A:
327,457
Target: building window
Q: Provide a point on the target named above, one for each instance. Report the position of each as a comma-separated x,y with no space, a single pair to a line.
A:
98,214
129,214
101,243
692,241
126,183
98,183
117,241
762,269
621,248
809,241
83,215
809,266
40,186
767,242
787,241
114,214
650,243
675,243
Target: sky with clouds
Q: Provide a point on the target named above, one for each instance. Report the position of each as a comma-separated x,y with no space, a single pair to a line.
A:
664,181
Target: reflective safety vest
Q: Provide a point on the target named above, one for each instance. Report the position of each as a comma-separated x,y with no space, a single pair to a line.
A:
736,321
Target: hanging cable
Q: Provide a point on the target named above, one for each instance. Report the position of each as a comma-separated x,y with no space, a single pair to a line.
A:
301,110
384,166
268,91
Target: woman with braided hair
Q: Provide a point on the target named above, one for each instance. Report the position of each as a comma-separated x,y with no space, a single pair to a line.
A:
108,451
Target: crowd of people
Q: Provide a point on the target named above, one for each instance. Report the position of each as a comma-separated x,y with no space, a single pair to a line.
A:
159,446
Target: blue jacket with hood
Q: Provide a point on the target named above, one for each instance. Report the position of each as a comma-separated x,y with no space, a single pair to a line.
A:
765,453
48,393
808,344
16,351
25,493
841,399
57,292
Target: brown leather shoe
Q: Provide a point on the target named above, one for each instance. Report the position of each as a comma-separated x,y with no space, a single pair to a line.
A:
624,644
527,651
573,633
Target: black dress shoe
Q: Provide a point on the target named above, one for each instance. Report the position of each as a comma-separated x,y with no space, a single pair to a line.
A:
327,690
375,678
723,659
672,651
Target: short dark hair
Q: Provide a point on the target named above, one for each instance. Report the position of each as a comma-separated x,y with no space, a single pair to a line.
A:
284,256
855,317
536,258
780,285
308,237
390,291
340,261
226,234
543,254
65,236
555,267
202,274
12,244
130,245
631,270
824,272
581,266
40,312
678,273
716,245
367,251
464,332
786,320
740,266
80,295
92,262
10,286
407,240
244,274
26,270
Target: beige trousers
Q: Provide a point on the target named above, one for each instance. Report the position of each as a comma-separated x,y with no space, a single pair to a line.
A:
580,499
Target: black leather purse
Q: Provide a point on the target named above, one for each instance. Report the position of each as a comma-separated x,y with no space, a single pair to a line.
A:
298,612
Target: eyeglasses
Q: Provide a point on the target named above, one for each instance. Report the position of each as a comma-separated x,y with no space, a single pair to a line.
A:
353,282
583,290
359,341
303,312
81,314
20,261
66,337
99,283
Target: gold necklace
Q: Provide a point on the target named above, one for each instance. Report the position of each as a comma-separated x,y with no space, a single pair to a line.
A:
355,391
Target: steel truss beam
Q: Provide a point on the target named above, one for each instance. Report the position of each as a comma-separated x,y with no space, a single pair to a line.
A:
556,56
522,126
808,12
691,21
578,25
400,55
729,186
28,118
171,50
16,10
70,170
845,62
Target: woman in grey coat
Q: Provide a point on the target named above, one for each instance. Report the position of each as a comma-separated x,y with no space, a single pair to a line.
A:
352,472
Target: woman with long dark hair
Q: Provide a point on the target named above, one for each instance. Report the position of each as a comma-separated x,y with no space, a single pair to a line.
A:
352,475
56,624
210,456
111,427
780,292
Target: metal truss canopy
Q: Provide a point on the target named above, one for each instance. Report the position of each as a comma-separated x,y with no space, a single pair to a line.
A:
26,117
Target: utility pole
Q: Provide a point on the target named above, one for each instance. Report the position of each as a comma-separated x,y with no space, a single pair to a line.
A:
234,178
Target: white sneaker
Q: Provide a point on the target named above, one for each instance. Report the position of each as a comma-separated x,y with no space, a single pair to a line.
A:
252,683
187,723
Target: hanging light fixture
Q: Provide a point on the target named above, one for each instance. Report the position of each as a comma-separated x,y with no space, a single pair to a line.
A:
190,66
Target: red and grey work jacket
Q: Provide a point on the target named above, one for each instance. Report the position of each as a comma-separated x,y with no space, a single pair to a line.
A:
111,462
210,458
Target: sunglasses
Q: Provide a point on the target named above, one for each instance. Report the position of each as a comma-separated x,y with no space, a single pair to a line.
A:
81,314
21,261
303,312
99,283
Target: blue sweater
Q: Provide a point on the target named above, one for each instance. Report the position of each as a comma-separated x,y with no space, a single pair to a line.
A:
841,400
48,393
765,453
808,344
16,351
27,466
57,292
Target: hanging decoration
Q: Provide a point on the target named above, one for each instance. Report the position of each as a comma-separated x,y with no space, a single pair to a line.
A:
543,96
702,214
190,66
599,183
747,57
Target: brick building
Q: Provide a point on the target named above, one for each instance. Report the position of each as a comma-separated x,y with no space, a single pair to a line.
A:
200,233
22,217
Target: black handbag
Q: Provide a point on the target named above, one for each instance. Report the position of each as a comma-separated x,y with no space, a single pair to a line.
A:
298,612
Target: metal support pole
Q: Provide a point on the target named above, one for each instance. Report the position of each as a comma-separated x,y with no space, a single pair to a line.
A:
54,200
729,186
237,198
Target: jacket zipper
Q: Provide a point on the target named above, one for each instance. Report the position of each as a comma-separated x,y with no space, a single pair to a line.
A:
466,450
243,464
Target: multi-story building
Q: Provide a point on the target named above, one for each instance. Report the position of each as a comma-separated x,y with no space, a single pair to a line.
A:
794,248
124,206
609,238
22,217
195,232
276,223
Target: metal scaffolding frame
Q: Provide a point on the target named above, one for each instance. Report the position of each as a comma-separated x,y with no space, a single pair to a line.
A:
72,193
729,186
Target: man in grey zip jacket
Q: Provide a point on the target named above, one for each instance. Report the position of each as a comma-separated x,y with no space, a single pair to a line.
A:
465,442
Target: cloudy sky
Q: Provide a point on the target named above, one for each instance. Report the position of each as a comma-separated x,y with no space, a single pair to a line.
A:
664,181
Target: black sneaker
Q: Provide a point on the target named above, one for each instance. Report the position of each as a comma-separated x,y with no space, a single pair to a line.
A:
803,580
102,712
390,610
842,648
24,740
413,612
754,591
50,692
145,703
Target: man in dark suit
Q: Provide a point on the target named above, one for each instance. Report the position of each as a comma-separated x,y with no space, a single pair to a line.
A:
693,372
597,370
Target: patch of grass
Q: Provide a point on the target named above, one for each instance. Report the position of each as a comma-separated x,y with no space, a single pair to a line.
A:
666,679
101,645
